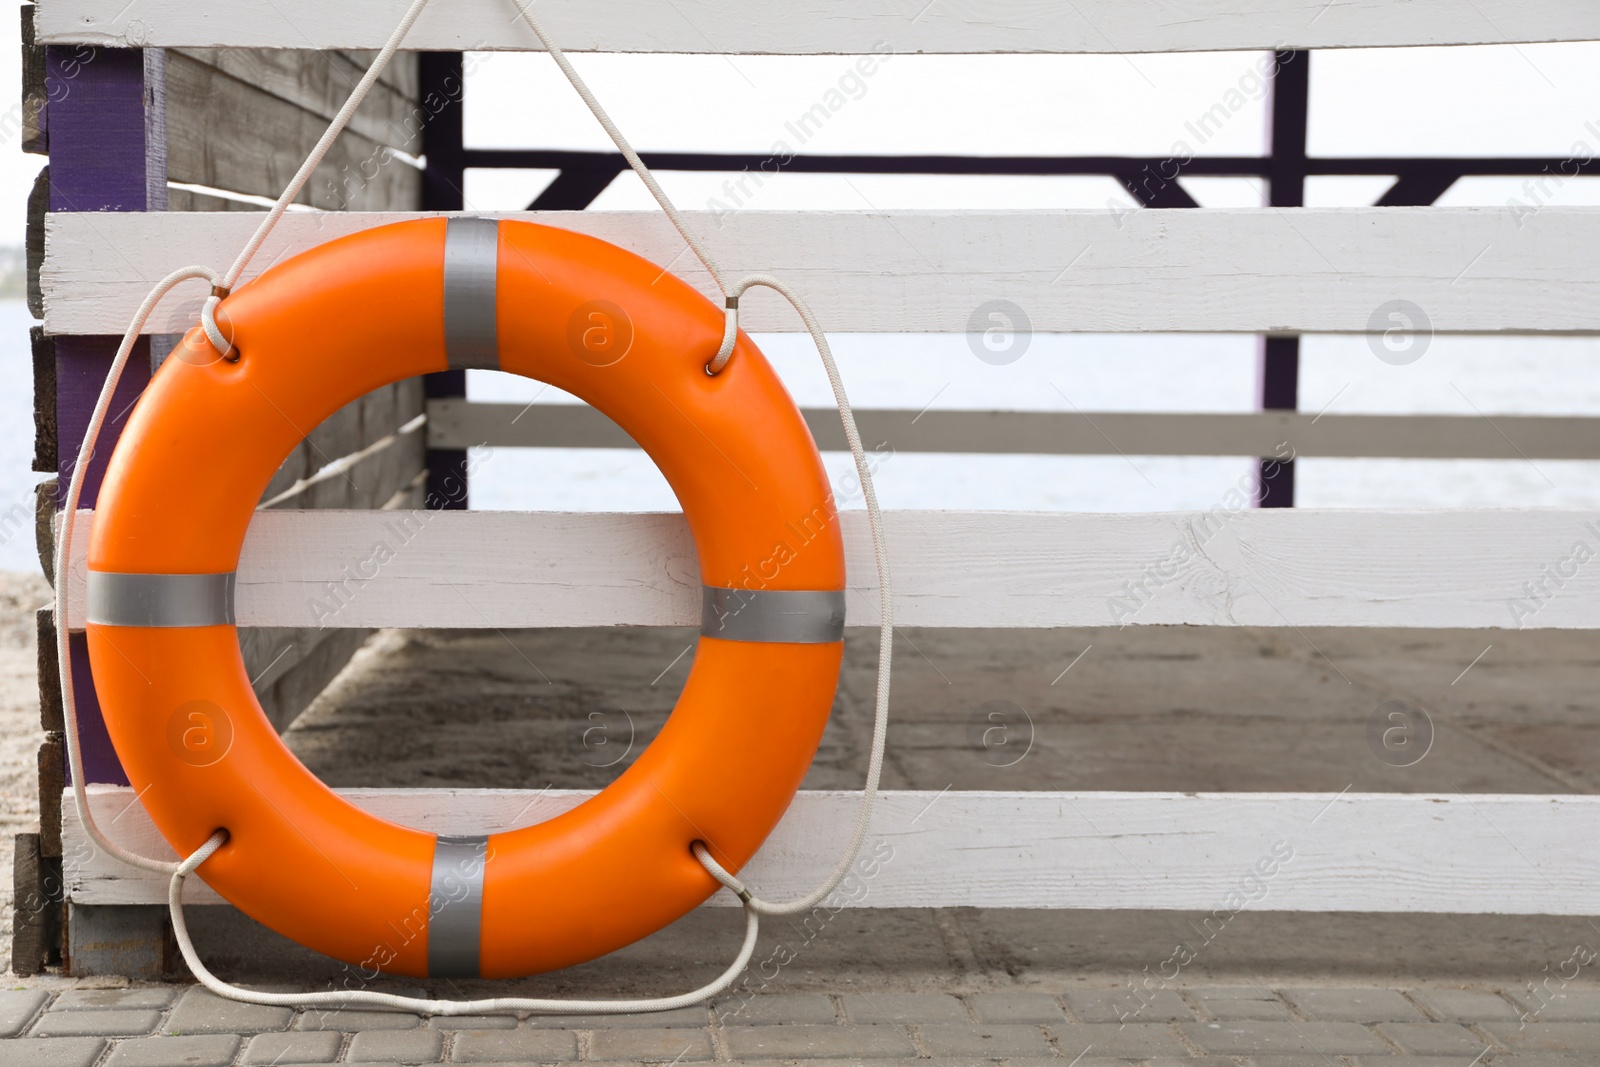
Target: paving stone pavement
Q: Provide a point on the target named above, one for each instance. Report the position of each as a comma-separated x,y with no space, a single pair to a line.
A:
170,1025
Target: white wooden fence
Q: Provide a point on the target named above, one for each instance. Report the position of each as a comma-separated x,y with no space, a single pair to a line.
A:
1291,270
806,27
1221,270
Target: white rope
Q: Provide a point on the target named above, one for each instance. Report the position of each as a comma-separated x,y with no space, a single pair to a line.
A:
369,998
63,568
582,88
754,907
880,555
208,314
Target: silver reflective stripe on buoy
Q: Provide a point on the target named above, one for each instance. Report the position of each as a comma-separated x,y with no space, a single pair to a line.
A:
160,599
471,267
799,616
455,906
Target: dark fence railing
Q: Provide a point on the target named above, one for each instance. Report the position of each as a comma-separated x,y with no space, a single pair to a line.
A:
1152,181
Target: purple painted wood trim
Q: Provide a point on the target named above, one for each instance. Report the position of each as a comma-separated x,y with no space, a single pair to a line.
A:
100,763
107,153
81,367
100,153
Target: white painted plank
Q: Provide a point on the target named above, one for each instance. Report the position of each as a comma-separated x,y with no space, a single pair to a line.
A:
464,424
1229,566
1377,852
826,26
1308,270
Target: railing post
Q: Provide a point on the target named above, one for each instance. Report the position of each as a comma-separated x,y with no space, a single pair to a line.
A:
442,90
1278,369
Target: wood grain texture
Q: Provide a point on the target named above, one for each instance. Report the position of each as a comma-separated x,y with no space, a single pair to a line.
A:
362,479
33,239
231,134
827,26
319,82
1229,566
35,95
52,769
189,200
129,943
1293,270
46,448
464,424
46,495
352,429
81,367
1215,853
48,668
288,667
310,661
36,913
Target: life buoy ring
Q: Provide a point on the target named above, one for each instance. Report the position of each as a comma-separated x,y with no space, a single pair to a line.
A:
315,333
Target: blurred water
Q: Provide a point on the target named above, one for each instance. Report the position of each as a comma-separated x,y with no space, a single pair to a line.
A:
1456,375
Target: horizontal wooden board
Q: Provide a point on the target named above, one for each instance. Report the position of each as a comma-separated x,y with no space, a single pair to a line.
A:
372,461
270,652
319,82
1307,270
352,429
316,661
232,134
1207,852
364,479
463,424
828,26
288,666
1229,566
181,198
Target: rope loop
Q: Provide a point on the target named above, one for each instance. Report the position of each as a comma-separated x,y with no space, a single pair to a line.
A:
214,334
730,337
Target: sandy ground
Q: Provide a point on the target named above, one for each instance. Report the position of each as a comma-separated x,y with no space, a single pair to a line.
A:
20,596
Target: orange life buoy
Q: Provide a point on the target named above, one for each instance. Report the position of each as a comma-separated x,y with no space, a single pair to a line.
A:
315,333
